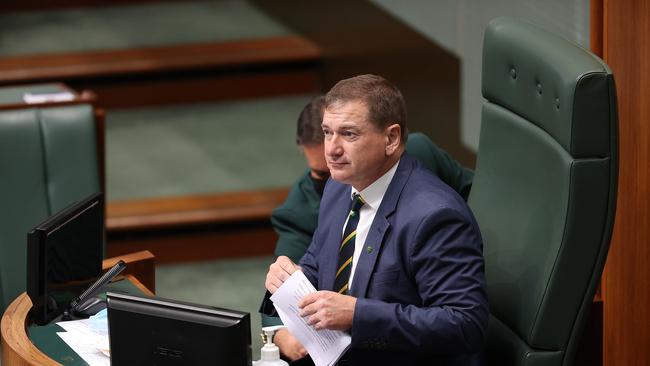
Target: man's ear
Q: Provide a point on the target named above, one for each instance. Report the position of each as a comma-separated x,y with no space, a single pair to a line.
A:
393,138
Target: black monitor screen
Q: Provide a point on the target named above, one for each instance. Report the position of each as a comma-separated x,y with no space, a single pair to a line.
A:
64,256
155,331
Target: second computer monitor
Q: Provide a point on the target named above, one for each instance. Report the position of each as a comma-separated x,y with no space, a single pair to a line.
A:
155,331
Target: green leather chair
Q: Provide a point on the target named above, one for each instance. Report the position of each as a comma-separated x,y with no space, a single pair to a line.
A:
544,190
48,159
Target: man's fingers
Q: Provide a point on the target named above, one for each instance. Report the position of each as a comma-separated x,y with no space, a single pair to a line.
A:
317,322
272,284
309,299
287,265
313,321
302,352
279,272
275,271
273,281
328,310
289,345
308,310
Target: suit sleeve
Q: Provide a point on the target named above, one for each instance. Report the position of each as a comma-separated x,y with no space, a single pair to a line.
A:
309,262
446,264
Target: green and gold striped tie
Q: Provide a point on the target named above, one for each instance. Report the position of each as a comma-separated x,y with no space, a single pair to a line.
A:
346,250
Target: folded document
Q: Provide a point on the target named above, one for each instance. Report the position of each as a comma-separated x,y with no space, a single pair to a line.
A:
324,346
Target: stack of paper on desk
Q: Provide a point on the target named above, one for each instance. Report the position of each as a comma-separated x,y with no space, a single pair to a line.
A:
324,346
88,338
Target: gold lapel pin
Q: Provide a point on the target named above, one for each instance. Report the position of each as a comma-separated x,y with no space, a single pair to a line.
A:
369,249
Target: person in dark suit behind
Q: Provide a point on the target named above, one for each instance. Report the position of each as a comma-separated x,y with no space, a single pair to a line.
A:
404,272
295,220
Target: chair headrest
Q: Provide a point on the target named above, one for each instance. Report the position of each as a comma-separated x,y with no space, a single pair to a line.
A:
520,74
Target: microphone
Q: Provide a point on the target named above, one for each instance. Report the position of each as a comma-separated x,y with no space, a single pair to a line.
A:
77,305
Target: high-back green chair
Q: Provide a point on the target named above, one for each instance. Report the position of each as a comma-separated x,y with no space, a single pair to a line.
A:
544,190
48,159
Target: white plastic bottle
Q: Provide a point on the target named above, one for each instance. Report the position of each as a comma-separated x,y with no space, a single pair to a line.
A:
270,353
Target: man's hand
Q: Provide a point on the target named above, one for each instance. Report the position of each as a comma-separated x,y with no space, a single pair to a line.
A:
279,272
289,345
328,310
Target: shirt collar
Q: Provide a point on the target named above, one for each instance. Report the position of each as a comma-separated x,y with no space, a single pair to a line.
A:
374,193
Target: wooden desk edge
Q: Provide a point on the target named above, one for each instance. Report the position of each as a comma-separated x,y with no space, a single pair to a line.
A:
17,348
139,285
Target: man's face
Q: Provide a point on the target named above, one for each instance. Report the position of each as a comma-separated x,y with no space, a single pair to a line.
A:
355,149
315,156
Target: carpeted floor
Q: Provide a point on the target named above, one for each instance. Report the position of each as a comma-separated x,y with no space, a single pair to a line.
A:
203,148
133,26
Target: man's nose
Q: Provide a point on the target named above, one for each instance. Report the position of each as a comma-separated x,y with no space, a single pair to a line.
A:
333,146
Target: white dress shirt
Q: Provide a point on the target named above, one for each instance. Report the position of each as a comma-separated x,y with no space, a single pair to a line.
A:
372,196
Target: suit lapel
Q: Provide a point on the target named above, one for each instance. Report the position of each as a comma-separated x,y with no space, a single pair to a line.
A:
369,255
379,228
333,238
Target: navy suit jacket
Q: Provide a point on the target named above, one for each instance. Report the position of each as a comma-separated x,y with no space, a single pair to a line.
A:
419,281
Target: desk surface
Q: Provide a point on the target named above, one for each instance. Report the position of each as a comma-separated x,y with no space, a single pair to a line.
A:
42,347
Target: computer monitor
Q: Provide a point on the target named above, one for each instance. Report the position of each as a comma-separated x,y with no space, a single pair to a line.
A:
155,331
64,256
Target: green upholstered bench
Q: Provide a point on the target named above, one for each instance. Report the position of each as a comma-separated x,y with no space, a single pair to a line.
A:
48,159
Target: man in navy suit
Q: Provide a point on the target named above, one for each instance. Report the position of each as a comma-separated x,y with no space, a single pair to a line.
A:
397,255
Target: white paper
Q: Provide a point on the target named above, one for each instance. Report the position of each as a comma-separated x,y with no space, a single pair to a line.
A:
87,327
33,98
88,340
324,346
86,348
